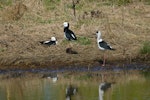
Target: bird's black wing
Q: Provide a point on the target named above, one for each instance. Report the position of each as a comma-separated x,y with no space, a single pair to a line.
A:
104,45
48,43
70,35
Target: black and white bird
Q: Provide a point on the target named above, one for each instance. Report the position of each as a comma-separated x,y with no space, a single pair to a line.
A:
102,88
70,91
69,35
52,41
102,45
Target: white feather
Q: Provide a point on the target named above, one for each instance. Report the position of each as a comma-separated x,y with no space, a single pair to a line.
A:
73,36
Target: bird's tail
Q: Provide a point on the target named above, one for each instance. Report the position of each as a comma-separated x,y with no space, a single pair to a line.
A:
112,49
42,42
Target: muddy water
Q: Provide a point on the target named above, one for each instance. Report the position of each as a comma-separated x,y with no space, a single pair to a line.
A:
129,85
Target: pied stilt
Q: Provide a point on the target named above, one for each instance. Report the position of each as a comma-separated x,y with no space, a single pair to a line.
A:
102,45
69,35
52,41
102,88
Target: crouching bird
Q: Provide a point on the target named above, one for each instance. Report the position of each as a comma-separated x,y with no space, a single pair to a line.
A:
50,42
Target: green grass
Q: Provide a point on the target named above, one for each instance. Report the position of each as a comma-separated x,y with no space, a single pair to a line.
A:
80,40
4,3
2,49
51,4
42,21
146,48
83,41
117,2
147,2
122,2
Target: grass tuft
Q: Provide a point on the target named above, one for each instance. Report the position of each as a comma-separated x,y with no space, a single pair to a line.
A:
80,40
4,3
83,41
146,48
2,49
51,4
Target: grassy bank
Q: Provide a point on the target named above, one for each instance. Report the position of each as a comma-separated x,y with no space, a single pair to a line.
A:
125,24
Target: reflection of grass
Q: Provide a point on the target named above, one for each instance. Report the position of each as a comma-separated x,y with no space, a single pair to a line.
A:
146,48
84,77
146,73
66,76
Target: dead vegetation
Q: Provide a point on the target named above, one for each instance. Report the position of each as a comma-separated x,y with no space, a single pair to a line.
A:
24,24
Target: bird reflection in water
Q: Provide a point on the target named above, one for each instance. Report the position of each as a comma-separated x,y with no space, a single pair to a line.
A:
102,88
70,91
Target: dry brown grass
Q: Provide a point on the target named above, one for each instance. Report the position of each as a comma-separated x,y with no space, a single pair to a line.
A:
124,27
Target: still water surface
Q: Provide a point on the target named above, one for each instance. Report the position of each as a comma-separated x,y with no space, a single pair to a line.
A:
125,86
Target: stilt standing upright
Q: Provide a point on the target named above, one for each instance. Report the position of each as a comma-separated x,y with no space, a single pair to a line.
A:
102,45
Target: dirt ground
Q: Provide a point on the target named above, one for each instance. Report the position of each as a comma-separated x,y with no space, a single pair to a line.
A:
24,24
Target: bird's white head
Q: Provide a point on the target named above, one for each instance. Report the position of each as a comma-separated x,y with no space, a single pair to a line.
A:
53,39
66,24
98,33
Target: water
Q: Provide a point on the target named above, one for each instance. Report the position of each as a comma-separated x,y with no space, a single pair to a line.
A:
126,85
